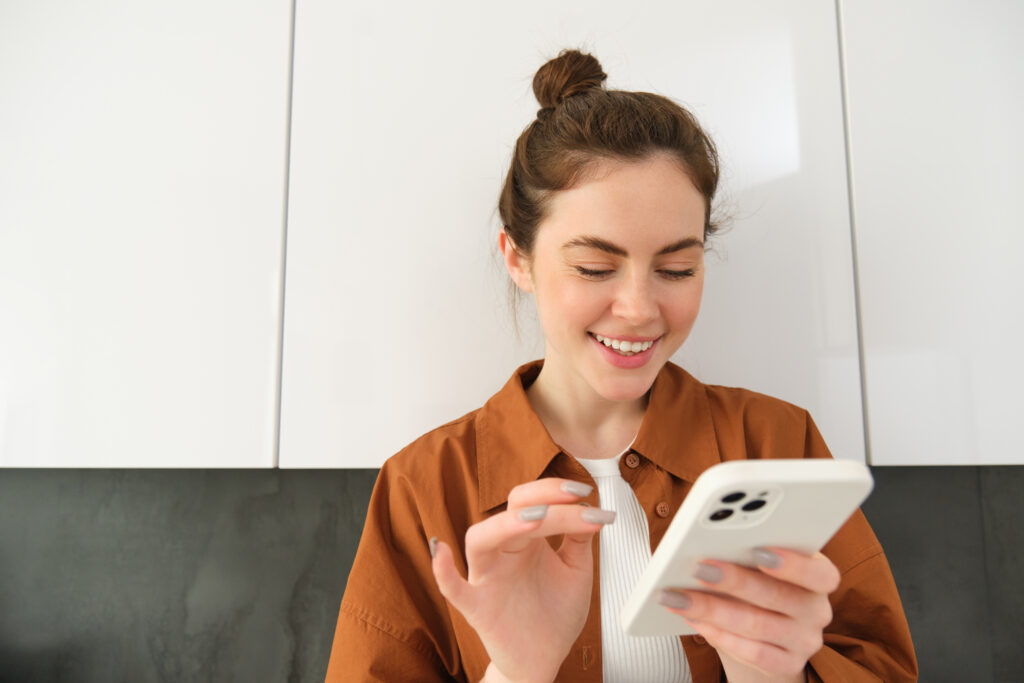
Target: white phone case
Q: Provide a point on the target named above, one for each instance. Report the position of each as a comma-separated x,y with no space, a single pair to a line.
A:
735,507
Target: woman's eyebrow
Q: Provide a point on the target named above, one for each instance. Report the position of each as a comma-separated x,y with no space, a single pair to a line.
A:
687,243
605,245
595,243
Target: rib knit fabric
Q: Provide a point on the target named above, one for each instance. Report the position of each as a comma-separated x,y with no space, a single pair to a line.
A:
624,554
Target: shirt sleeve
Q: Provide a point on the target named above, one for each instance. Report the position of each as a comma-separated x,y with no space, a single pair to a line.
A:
368,649
393,623
868,639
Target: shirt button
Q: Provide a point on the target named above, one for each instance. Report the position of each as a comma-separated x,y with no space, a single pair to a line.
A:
632,461
662,509
699,639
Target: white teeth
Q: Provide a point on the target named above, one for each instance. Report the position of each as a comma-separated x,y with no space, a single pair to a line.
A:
624,347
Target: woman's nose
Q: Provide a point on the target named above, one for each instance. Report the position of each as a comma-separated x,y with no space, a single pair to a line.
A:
634,302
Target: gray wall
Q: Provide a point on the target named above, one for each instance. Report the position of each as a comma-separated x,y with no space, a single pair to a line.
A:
224,575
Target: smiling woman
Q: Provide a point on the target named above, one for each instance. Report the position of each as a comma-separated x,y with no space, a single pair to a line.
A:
478,560
620,256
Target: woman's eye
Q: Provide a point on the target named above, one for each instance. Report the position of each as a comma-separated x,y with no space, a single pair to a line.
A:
589,272
678,274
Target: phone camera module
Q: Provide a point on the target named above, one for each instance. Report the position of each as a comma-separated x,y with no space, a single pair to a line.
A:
719,515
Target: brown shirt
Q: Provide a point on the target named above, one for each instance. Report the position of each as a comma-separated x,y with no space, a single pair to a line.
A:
394,625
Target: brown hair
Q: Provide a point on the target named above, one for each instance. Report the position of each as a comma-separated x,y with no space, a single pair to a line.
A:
580,123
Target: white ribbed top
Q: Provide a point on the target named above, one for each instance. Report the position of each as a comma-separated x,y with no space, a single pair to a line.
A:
625,552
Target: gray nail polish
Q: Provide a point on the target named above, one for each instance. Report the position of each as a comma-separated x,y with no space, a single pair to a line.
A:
533,514
597,516
577,488
709,573
767,559
433,546
672,599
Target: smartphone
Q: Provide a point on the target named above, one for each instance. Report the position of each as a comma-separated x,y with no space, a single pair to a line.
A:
735,507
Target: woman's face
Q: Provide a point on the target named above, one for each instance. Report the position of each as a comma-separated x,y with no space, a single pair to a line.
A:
617,262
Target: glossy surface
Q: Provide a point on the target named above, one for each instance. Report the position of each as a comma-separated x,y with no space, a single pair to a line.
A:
936,96
142,182
403,122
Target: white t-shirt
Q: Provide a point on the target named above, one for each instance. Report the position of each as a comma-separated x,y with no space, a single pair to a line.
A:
625,553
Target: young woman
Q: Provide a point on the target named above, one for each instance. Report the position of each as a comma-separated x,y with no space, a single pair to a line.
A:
501,546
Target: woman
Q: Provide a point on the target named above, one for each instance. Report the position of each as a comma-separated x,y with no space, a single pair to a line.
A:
606,212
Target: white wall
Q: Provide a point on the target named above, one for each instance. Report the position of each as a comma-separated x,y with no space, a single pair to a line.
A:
142,187
936,97
404,118
142,167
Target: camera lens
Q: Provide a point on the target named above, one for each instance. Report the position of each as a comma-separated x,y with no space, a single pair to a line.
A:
719,515
753,505
733,497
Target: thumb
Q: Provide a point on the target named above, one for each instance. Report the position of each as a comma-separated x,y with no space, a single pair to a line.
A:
576,550
450,582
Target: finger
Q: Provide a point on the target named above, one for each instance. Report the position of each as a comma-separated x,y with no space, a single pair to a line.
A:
449,581
508,532
744,619
765,657
762,590
547,491
576,550
814,572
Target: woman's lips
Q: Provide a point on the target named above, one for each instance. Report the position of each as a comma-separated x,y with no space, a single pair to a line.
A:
635,360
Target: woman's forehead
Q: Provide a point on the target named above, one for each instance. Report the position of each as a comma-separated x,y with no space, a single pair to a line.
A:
627,202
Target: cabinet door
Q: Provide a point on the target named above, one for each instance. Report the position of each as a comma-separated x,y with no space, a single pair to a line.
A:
405,115
936,97
142,167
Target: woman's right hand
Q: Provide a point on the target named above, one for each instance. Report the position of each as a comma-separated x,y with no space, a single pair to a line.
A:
527,601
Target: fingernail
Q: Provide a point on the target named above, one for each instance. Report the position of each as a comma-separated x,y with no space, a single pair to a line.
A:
674,600
597,516
433,546
577,488
709,573
766,558
532,514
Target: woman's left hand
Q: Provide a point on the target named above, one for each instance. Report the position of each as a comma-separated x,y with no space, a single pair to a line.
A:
766,622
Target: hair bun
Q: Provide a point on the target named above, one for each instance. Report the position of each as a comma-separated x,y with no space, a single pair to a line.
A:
570,73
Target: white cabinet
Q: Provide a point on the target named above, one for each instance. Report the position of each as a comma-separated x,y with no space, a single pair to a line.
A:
142,173
403,121
936,97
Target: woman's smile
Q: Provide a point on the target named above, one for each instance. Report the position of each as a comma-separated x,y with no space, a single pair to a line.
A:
625,353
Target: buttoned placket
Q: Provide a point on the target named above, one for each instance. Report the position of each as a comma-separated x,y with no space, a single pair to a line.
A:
642,476
585,656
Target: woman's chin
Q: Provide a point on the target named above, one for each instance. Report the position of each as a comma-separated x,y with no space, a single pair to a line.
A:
626,389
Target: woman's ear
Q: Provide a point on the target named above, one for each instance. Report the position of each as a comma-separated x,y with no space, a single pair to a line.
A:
518,266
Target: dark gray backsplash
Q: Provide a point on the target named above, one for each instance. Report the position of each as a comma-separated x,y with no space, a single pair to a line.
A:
236,575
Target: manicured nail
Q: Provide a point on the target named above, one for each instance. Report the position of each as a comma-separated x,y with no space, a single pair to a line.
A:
597,516
532,514
708,573
433,546
674,600
767,559
577,488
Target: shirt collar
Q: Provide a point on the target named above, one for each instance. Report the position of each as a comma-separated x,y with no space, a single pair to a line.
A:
513,447
678,433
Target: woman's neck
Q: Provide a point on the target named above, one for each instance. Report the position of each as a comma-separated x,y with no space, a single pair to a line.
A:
580,421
